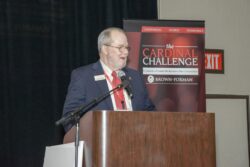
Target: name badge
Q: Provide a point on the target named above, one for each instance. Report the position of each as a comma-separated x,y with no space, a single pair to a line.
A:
99,77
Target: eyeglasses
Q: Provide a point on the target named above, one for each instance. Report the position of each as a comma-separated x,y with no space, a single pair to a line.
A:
120,48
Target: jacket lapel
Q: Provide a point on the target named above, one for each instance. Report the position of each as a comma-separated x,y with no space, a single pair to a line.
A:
102,84
130,79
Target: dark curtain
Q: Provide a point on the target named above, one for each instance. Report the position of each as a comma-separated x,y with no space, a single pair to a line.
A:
41,41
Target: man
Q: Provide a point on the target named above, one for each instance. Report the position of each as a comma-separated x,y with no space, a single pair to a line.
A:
91,81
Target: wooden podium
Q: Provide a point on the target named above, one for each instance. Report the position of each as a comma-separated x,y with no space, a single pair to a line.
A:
147,139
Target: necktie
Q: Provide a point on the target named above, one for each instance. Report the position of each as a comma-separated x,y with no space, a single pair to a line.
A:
118,94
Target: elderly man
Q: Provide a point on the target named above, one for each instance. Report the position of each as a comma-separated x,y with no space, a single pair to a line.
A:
89,82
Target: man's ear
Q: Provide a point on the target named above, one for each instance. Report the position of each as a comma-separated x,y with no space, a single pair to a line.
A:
104,49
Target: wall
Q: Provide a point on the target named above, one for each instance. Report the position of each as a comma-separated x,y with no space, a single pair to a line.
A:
228,28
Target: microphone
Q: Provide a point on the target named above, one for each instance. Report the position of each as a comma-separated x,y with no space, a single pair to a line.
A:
121,74
79,112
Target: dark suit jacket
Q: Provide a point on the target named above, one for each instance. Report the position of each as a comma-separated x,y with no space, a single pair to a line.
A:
83,88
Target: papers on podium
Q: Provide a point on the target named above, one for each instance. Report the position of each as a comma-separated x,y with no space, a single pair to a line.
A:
63,155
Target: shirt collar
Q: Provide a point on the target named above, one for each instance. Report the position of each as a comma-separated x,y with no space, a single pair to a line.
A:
106,69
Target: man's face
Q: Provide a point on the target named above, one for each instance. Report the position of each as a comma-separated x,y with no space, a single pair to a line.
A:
115,54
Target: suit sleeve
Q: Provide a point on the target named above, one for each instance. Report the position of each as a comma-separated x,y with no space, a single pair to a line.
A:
76,95
141,100
148,104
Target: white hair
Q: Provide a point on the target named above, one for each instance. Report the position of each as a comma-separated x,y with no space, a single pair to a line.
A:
105,36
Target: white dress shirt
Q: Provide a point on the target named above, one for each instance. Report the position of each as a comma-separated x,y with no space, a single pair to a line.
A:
108,72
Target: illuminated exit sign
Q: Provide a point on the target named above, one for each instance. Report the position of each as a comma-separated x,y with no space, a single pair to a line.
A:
214,61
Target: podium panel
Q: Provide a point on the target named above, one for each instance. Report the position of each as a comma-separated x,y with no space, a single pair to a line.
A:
147,139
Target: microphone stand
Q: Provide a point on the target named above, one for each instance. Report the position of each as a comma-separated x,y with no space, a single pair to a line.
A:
78,113
77,140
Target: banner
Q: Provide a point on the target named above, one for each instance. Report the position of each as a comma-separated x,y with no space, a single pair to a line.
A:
170,56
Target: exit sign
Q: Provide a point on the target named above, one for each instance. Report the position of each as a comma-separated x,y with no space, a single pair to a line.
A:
214,61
